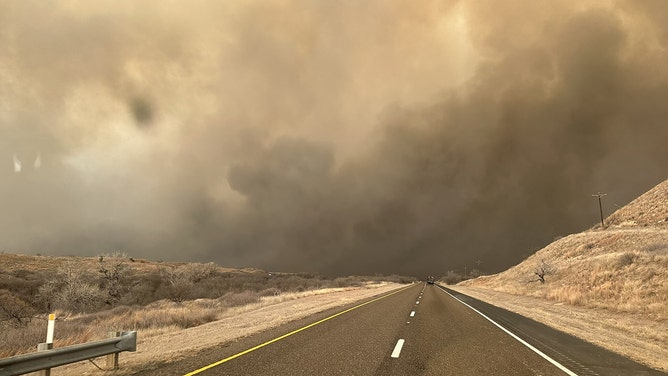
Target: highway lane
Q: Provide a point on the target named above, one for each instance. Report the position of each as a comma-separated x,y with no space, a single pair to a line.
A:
419,330
442,337
581,357
350,344
353,343
447,338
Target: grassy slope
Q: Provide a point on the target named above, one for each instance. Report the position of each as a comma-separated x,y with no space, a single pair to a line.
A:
622,268
620,271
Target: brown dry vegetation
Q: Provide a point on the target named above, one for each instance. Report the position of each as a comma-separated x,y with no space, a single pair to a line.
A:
155,347
92,296
619,272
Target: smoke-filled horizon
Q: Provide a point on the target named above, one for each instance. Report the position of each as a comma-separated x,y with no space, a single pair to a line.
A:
334,137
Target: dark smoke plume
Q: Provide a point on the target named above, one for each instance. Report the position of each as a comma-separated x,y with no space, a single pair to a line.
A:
337,137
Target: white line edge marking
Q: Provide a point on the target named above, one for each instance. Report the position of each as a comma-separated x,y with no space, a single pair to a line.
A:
412,313
545,356
397,348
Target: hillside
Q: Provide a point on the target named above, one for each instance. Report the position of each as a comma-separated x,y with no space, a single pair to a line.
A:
619,272
648,210
622,268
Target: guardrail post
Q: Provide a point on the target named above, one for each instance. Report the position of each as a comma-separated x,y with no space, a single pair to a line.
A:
112,359
48,357
44,347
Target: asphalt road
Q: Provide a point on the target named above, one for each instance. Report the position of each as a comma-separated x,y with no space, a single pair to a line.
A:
418,330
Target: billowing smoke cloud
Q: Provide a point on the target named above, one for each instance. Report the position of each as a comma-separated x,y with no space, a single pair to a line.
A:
338,137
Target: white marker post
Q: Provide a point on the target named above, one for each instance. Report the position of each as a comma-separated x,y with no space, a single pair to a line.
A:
50,327
48,345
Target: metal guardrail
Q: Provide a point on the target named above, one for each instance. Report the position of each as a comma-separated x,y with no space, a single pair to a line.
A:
21,364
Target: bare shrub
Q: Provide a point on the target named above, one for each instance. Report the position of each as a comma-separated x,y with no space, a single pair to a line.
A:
143,296
113,275
198,272
189,273
79,296
174,275
142,289
183,278
14,310
47,295
625,259
71,291
544,269
176,293
346,282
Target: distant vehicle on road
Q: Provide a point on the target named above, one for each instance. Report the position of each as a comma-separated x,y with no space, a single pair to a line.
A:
430,280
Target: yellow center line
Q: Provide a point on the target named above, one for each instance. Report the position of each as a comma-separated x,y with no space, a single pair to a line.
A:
291,333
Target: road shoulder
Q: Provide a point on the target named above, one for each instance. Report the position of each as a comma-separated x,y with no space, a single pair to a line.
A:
634,337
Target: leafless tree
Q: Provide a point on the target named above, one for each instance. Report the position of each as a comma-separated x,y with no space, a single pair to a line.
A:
113,273
72,290
544,269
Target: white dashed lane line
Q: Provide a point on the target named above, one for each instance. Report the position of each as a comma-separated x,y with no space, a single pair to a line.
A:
400,343
397,348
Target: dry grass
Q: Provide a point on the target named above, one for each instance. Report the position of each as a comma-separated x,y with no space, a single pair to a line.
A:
649,209
615,279
158,345
153,319
147,296
157,317
619,270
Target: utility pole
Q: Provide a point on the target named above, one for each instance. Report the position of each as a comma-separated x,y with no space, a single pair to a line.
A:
600,206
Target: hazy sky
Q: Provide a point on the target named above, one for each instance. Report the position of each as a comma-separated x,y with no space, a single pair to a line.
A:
408,137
